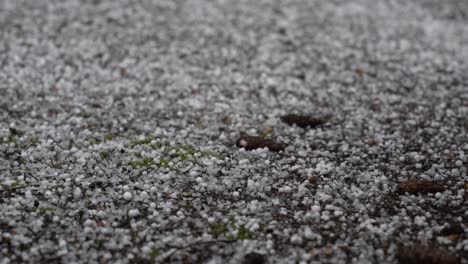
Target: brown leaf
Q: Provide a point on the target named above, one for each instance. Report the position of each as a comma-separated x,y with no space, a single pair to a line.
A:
417,254
328,250
254,142
420,186
227,120
372,142
359,72
312,180
453,237
302,120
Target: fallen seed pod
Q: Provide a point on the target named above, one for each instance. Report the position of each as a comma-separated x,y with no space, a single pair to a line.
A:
302,120
255,142
420,186
424,254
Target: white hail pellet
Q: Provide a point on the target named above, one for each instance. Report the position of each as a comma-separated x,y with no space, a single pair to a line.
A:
133,212
315,208
127,196
77,193
144,195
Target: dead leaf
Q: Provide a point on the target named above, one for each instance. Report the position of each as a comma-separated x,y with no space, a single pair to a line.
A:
328,251
420,186
417,254
453,237
303,120
227,120
312,180
372,142
359,72
254,142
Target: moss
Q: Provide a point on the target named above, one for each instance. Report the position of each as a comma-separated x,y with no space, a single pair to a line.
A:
15,139
33,140
73,244
104,154
208,153
46,209
149,163
219,229
94,141
109,136
13,186
9,140
146,162
17,184
174,157
244,233
178,148
145,141
155,253
187,148
266,132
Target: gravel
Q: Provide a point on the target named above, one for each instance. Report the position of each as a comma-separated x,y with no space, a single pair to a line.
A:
119,122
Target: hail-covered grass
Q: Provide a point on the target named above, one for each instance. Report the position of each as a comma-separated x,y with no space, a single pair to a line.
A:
233,131
154,153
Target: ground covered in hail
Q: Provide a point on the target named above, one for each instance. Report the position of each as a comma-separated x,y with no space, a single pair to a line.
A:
242,131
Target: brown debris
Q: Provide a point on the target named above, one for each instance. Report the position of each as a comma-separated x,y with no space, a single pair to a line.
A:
359,72
254,258
302,120
452,230
254,142
372,142
312,180
420,186
227,120
417,254
453,237
328,251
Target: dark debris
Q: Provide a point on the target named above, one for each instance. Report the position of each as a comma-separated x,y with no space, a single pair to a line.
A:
303,121
255,142
420,186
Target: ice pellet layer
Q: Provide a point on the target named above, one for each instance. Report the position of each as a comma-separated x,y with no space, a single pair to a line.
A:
119,122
